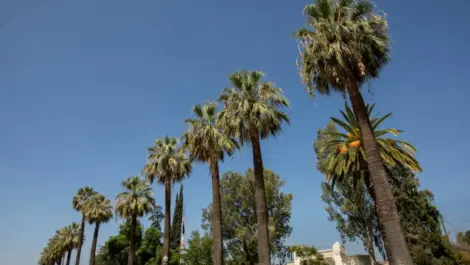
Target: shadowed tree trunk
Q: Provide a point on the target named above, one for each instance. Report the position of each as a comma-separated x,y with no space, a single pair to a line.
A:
166,232
93,244
131,258
79,248
392,233
264,257
217,213
69,255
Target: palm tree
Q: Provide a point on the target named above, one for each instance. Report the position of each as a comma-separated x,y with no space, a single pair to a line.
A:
167,163
53,252
98,211
252,113
349,155
206,142
70,239
134,202
341,156
346,45
78,202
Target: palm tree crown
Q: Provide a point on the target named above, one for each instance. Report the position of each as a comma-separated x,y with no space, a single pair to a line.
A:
70,236
251,107
167,160
349,155
206,140
346,41
81,198
98,209
137,199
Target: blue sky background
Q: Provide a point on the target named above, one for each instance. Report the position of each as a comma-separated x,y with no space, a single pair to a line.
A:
86,86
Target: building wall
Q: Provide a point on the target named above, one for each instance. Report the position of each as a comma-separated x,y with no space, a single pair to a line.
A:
337,256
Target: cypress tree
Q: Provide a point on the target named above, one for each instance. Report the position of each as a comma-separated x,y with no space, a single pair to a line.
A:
175,231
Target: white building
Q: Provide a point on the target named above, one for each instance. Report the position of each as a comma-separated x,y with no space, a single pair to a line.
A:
336,256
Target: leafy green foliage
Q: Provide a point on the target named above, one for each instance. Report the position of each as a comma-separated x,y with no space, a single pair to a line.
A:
175,231
421,220
115,250
308,255
151,243
345,41
199,251
156,217
239,215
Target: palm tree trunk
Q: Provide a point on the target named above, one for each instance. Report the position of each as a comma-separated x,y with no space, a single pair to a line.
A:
69,255
166,229
79,248
392,233
264,257
93,244
131,258
217,213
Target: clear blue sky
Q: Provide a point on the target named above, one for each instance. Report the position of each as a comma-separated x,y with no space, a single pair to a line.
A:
86,86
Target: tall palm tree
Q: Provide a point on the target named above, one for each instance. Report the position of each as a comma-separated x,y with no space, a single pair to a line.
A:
136,201
251,113
350,157
345,45
70,239
83,195
98,210
168,164
207,142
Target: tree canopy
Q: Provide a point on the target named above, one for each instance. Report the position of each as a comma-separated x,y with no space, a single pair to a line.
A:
239,226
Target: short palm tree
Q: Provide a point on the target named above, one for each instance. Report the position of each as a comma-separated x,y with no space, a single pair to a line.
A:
83,195
207,142
251,113
350,156
98,210
168,164
70,239
136,201
345,45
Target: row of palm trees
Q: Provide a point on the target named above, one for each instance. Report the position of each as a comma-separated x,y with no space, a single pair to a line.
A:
250,113
136,200
345,44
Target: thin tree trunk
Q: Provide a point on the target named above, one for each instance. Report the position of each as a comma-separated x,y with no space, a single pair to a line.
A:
264,257
370,247
392,233
93,244
217,213
131,258
69,255
79,248
166,229
62,259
